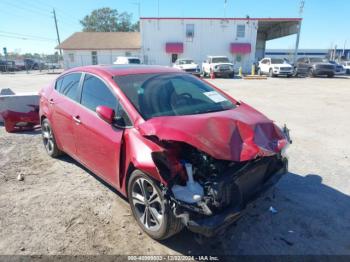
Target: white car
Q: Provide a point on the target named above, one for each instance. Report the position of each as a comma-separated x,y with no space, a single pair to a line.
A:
275,67
346,65
218,65
123,60
187,65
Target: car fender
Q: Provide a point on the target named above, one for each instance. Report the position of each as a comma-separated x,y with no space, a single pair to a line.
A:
136,151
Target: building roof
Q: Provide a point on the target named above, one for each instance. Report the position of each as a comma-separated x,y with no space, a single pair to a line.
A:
222,18
102,41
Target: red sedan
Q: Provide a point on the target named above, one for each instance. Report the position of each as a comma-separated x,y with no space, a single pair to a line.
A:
183,152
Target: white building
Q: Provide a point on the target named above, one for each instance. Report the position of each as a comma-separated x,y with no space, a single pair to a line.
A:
92,48
243,40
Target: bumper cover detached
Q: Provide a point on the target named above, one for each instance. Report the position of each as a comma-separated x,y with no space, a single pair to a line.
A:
249,189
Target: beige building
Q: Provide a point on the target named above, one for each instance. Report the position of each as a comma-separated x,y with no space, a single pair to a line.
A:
92,48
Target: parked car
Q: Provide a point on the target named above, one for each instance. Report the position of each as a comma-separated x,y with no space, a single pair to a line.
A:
218,65
188,65
20,65
122,60
314,66
52,65
339,69
346,65
7,66
183,152
33,64
275,67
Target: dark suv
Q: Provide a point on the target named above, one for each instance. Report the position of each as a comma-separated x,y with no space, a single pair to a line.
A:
314,66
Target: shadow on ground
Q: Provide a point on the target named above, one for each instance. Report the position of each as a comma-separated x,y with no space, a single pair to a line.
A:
312,218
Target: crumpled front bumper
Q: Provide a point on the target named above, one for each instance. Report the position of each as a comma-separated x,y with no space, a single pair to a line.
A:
209,226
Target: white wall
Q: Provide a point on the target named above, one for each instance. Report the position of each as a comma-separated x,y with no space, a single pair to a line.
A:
211,37
84,57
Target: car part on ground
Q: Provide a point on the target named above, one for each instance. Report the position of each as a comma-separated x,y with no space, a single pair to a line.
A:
19,112
181,150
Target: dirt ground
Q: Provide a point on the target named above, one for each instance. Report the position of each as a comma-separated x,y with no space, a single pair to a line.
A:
61,208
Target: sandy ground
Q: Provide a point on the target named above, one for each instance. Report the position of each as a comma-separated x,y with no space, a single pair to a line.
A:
61,208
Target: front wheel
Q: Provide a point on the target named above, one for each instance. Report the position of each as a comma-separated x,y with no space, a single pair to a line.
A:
150,209
271,74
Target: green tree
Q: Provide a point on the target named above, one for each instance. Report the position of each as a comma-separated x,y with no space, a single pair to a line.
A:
108,20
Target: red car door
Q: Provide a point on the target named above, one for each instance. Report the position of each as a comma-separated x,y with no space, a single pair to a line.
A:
63,102
98,142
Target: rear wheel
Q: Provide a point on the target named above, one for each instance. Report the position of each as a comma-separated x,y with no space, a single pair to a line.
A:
150,209
311,72
49,139
330,75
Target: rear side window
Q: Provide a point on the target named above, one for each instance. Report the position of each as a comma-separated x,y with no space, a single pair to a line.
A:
95,93
68,85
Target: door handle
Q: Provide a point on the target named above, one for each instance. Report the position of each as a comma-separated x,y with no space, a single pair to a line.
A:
77,119
51,101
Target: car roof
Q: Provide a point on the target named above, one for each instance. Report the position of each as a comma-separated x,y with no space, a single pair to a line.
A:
126,69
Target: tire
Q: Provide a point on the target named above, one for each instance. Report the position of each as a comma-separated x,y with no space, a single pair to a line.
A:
348,71
310,73
231,75
203,73
259,72
330,75
288,76
49,139
166,224
271,74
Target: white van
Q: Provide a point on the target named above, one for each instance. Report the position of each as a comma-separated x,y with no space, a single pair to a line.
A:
122,60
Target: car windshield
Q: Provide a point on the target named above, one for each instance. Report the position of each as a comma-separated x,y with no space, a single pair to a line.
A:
277,61
184,62
134,61
219,60
316,60
171,94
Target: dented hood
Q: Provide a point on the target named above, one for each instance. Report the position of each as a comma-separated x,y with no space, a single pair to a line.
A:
238,134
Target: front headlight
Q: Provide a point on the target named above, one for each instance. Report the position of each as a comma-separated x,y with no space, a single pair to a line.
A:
276,67
216,67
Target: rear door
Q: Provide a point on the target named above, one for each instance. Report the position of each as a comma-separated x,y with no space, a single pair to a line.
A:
64,102
98,142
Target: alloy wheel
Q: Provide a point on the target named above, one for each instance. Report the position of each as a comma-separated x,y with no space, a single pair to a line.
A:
148,204
48,138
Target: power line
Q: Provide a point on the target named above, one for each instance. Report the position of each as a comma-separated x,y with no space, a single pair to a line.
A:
25,35
25,38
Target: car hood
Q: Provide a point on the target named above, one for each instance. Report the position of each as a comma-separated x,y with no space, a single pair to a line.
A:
222,64
188,66
238,134
282,65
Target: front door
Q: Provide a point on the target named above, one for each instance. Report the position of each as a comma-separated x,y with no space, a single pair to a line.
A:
98,142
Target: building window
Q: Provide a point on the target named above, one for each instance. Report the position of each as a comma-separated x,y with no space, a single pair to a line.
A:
189,30
127,53
71,58
94,57
240,30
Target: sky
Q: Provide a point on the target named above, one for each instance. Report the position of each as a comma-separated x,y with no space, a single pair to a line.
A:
28,25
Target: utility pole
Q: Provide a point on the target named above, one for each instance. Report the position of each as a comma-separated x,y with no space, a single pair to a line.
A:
58,35
301,9
225,6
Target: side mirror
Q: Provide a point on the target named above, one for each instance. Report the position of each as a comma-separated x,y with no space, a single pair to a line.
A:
105,113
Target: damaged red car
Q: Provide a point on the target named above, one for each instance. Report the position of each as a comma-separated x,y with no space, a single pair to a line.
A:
183,152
